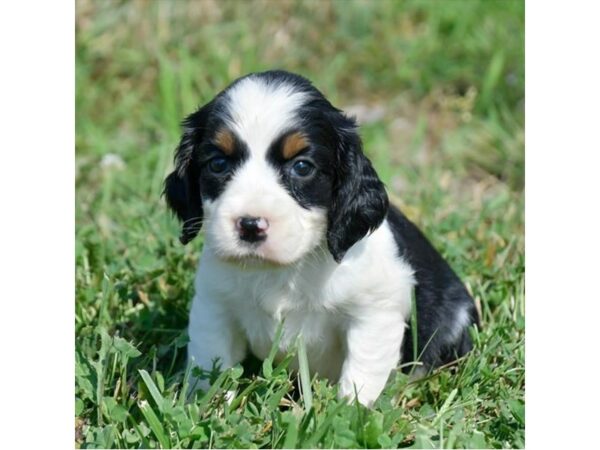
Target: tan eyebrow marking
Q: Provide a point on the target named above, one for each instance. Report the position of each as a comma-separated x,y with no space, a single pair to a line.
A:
293,144
225,141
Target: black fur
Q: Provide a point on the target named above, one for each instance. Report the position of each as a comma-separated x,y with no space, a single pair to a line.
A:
182,186
439,294
212,184
311,191
360,202
190,181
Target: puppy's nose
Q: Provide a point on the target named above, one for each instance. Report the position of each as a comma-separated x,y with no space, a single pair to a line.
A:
252,229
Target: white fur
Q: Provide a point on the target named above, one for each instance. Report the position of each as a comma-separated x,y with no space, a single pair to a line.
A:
459,324
351,315
261,112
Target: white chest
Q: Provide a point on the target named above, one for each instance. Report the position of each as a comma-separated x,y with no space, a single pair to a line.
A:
322,333
316,299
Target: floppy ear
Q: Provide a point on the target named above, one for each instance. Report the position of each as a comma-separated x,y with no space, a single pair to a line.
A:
182,186
359,202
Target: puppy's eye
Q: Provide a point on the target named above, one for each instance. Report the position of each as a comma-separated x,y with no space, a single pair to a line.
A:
302,168
218,165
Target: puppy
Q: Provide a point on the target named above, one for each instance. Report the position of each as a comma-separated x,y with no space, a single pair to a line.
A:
298,229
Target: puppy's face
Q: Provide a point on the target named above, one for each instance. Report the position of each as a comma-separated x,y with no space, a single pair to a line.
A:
273,171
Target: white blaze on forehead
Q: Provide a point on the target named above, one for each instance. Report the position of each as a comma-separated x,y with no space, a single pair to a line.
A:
260,112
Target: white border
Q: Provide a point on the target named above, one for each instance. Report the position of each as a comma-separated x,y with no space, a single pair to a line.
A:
37,238
37,231
562,224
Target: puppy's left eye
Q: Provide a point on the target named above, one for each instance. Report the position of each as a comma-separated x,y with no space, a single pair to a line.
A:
218,165
302,168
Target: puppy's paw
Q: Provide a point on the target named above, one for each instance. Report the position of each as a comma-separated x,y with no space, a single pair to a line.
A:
349,391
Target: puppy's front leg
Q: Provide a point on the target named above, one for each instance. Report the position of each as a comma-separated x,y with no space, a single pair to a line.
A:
373,340
213,337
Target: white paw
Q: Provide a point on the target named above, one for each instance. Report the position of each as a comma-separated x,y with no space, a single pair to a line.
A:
348,390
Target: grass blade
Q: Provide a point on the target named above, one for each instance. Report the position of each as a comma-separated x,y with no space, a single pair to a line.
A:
212,391
154,424
185,385
246,392
291,435
446,406
413,326
320,432
267,365
154,392
304,374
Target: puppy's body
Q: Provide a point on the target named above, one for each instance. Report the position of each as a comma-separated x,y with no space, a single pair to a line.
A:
298,230
332,305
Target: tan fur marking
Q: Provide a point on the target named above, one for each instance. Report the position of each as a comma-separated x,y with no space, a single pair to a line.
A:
224,140
293,144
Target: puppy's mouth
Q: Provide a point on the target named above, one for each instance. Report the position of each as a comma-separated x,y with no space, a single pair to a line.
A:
256,254
254,260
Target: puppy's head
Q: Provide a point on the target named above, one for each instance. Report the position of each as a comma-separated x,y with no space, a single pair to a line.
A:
273,170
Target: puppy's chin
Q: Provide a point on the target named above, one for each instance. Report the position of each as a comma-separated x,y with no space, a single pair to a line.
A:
253,262
264,255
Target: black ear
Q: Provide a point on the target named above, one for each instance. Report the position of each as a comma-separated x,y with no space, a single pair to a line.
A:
182,186
360,202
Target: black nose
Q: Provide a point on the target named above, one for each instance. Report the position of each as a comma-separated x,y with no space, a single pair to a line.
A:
252,229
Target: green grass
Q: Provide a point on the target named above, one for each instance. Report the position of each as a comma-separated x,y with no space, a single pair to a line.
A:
448,81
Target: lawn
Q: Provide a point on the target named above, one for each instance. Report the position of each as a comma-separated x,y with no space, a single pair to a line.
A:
439,90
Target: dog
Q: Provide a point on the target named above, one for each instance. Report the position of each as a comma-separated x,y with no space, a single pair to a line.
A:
299,231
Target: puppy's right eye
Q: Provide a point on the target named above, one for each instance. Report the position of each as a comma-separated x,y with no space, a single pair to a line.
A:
218,165
302,168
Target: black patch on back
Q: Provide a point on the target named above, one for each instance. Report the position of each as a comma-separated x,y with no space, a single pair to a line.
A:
440,295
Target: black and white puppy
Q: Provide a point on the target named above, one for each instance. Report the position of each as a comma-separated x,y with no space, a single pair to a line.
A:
298,229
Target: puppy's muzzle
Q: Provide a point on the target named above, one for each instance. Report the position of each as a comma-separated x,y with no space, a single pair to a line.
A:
252,229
